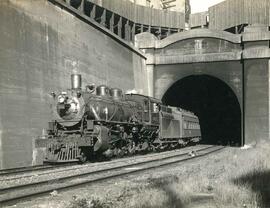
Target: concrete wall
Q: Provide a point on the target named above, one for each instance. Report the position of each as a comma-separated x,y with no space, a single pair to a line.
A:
40,46
256,100
240,61
256,39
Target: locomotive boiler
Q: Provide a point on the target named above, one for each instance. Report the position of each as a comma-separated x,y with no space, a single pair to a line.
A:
100,121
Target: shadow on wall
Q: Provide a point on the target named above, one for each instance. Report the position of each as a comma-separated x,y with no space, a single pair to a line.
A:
259,182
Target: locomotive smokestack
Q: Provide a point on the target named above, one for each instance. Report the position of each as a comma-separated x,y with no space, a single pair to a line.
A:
76,81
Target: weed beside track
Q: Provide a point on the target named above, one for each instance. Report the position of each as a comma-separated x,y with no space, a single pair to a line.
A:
233,178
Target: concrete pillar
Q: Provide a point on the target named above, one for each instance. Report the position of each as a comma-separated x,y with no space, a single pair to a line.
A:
256,100
93,12
159,33
112,23
150,79
141,30
256,57
127,31
168,32
149,28
269,99
236,29
119,27
133,32
81,7
103,18
1,149
146,42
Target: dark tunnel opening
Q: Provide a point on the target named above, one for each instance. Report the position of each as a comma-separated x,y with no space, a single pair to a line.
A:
214,103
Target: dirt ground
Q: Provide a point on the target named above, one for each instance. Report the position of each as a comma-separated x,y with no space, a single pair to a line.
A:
233,177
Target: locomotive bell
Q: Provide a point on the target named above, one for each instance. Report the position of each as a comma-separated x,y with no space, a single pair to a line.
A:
76,81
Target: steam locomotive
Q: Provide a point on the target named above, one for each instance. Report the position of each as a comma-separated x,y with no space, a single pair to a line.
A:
101,121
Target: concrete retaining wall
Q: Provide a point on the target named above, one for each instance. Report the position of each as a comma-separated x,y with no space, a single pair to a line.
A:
40,46
256,100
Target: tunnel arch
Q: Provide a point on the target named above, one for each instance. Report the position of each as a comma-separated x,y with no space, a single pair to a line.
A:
214,102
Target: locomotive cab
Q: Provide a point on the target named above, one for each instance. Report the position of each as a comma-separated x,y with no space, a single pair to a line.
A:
151,107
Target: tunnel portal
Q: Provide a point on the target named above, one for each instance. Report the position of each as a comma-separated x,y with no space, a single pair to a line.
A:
213,102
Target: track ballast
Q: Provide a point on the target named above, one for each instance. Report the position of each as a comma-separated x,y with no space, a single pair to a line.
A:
11,194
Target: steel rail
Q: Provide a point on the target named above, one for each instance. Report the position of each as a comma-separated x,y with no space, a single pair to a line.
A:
14,171
158,156
22,169
66,182
85,165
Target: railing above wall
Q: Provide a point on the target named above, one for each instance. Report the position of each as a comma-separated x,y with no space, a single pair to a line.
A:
143,15
126,19
233,13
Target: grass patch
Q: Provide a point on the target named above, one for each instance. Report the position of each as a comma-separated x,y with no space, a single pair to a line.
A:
234,178
84,203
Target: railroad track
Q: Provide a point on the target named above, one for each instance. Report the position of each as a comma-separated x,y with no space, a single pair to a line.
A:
45,169
34,171
10,195
22,170
12,171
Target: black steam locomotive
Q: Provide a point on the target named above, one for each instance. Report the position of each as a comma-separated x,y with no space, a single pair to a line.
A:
102,121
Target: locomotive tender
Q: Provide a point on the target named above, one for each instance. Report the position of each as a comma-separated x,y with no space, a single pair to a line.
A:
99,120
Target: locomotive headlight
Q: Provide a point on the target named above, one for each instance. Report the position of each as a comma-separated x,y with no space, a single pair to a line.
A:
68,107
61,99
